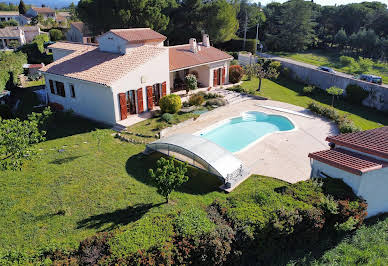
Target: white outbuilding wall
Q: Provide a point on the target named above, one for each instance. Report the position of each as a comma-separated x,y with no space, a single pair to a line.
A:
371,186
91,100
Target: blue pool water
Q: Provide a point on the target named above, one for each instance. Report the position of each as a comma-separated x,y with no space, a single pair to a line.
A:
239,132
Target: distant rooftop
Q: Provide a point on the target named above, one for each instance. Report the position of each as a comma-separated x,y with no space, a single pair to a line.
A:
9,13
43,10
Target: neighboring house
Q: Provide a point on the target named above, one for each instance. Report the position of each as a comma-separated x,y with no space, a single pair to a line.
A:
80,33
45,12
361,161
14,15
32,70
22,35
125,74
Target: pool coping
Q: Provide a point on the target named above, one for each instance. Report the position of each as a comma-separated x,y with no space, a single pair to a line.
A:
250,145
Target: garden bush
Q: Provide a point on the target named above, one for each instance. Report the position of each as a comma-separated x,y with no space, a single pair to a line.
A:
167,117
235,74
170,104
191,82
217,102
196,99
275,65
212,95
193,222
347,60
308,90
55,35
355,94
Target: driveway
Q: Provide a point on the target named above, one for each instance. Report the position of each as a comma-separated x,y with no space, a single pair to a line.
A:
282,155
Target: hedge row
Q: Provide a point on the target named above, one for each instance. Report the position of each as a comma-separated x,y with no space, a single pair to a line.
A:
345,124
266,223
236,45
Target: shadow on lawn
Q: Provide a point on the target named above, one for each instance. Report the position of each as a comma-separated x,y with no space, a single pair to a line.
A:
116,218
341,104
200,182
65,160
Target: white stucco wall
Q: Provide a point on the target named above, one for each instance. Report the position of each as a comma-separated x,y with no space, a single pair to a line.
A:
371,186
74,35
109,42
59,53
154,71
92,100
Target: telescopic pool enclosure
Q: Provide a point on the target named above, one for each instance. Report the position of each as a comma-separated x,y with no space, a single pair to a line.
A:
203,154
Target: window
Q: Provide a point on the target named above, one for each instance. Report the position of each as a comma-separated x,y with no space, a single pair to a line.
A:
60,88
156,93
131,105
72,91
52,89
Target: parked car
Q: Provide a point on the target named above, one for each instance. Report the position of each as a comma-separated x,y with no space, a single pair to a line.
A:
371,78
327,69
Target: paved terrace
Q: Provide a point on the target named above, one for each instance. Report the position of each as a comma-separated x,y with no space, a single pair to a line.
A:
282,155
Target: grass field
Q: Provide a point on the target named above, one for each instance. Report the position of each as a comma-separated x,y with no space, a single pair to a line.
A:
331,59
291,92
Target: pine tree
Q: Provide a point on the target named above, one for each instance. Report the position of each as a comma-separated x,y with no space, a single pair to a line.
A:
22,8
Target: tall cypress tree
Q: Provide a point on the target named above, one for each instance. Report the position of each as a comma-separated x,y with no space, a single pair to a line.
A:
22,8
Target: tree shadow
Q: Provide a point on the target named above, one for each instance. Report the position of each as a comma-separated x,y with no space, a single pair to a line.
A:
340,104
200,182
65,160
116,218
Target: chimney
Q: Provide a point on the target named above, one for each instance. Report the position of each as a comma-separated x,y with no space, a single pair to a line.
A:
193,45
205,40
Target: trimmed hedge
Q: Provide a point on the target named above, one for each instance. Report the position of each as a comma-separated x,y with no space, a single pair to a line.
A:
236,45
236,73
345,124
170,104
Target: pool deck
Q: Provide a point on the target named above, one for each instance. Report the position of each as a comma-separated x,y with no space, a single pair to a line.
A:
283,155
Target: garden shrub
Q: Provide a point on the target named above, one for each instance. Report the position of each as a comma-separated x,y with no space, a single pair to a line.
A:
170,104
55,35
347,60
355,94
193,222
349,225
235,74
236,88
11,66
212,95
191,82
217,102
167,117
196,99
307,90
275,65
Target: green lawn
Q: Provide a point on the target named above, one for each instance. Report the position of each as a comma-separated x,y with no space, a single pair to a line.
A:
289,91
331,59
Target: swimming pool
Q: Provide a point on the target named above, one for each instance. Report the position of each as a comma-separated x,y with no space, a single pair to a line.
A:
237,133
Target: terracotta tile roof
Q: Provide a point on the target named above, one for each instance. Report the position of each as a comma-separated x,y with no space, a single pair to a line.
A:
10,32
182,57
101,67
73,46
43,10
348,161
373,141
9,13
139,35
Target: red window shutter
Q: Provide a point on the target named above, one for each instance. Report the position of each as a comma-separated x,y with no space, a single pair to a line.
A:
164,89
223,76
150,102
123,106
215,77
140,106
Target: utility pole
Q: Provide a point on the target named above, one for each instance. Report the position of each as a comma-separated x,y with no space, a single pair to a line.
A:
245,28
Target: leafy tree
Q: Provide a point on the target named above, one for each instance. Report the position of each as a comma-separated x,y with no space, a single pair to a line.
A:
55,35
168,176
191,82
260,72
37,20
11,66
341,38
334,91
22,7
102,15
17,139
221,22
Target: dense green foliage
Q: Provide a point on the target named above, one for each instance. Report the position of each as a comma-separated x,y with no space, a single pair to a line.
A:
17,139
35,50
191,82
22,7
193,222
11,66
196,99
355,94
170,104
334,92
168,176
55,35
8,23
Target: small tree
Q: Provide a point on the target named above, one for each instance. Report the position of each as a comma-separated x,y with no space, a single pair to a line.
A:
261,73
191,82
18,137
22,8
334,91
167,176
98,134
55,35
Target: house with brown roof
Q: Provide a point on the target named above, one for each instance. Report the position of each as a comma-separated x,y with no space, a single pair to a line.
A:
45,12
12,37
80,33
14,15
127,73
361,161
